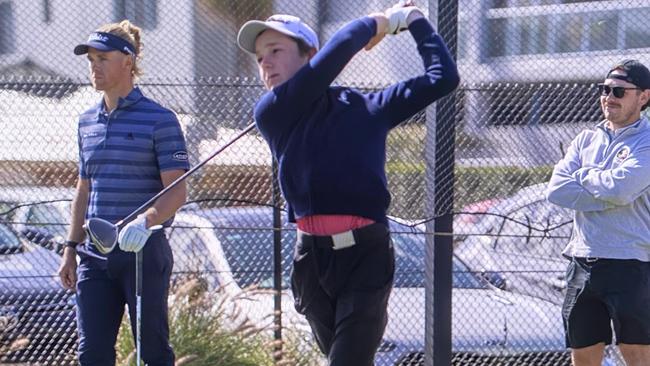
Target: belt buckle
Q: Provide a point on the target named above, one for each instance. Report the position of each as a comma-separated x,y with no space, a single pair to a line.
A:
343,240
591,259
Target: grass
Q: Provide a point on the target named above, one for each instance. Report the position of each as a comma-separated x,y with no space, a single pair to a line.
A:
207,330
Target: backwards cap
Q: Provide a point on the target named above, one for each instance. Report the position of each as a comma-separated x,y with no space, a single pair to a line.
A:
635,73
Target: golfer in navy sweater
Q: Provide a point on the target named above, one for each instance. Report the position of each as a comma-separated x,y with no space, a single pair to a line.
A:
330,144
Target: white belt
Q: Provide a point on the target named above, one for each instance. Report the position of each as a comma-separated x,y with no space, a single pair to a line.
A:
339,241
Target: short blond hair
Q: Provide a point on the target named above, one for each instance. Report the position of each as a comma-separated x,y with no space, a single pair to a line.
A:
130,33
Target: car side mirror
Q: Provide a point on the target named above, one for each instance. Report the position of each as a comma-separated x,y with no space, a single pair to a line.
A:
495,279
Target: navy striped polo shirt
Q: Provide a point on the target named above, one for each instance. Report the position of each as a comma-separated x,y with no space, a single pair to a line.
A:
123,152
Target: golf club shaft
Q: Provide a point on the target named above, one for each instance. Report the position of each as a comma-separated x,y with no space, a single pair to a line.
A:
138,306
153,199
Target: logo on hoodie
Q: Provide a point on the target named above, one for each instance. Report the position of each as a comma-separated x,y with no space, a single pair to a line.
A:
622,154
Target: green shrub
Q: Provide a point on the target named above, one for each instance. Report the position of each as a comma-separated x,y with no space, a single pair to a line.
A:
206,331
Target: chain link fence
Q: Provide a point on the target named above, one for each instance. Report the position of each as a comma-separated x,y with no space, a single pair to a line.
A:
528,69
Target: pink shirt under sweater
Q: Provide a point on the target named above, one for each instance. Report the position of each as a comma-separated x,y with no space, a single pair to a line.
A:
331,224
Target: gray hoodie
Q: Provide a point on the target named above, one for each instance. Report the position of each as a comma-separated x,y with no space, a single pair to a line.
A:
605,178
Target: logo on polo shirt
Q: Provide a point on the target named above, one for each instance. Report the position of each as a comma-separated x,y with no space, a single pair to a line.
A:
91,134
622,154
180,155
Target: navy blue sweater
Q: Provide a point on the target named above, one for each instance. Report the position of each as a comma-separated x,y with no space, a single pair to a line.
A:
330,142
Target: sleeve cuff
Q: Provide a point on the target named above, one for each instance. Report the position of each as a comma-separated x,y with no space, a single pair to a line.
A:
370,23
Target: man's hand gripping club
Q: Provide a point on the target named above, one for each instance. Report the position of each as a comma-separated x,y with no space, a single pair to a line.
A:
135,234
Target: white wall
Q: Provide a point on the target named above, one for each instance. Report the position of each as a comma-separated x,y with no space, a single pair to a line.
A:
168,47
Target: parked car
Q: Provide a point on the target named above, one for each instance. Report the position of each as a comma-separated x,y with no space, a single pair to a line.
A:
522,237
489,324
237,260
39,213
37,317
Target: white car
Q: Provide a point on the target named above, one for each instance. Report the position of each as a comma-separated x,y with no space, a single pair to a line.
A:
522,238
489,324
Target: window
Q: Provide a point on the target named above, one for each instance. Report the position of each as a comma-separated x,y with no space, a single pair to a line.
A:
143,13
521,3
538,27
9,242
7,28
637,34
569,38
526,104
250,254
602,31
48,216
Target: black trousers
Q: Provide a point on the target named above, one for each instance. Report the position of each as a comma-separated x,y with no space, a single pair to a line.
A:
344,292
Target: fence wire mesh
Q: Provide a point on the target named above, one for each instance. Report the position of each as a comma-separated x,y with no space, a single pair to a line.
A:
528,70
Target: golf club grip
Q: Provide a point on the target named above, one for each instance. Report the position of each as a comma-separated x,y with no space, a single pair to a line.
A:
138,272
120,224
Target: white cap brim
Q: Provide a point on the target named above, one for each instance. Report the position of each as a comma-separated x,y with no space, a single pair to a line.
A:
251,30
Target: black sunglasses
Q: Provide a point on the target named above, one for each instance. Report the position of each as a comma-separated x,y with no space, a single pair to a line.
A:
618,91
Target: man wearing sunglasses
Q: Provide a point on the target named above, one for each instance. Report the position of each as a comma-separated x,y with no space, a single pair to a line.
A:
605,179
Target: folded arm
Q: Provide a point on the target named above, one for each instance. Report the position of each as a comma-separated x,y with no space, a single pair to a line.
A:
563,188
620,185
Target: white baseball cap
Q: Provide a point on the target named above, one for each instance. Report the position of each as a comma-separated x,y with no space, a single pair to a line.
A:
286,24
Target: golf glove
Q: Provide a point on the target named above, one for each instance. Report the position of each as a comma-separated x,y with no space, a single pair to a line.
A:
397,16
134,235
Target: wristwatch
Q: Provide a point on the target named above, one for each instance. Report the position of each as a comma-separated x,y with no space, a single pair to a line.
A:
71,244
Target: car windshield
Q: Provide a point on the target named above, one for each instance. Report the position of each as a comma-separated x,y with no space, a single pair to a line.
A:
554,220
250,255
9,242
49,216
409,263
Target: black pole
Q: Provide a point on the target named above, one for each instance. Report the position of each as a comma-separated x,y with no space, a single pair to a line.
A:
444,198
277,263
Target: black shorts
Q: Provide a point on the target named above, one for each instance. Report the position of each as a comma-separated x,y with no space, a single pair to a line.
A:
603,294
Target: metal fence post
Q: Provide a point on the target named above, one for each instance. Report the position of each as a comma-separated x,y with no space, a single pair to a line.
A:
277,263
440,194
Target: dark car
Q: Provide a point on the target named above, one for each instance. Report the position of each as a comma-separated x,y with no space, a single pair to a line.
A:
37,316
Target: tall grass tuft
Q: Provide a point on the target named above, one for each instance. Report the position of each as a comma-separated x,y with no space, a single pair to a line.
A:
208,329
